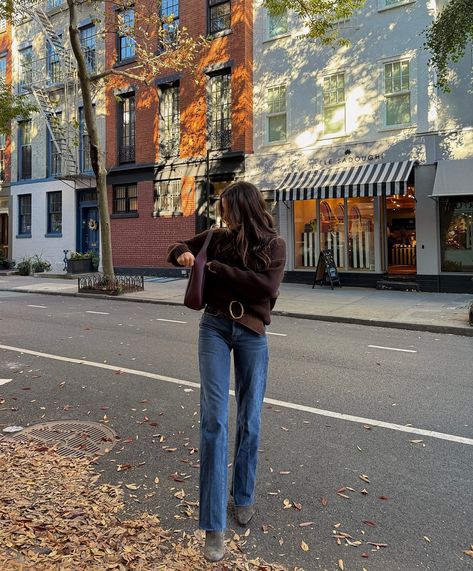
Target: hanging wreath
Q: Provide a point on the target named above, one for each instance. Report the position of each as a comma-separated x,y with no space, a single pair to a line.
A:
92,224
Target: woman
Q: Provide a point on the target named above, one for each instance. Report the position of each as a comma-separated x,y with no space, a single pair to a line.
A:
244,269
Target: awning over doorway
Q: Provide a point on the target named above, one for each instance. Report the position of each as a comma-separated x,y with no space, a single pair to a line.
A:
454,178
380,179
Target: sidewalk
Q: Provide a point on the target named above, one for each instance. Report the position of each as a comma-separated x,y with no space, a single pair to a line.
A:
436,312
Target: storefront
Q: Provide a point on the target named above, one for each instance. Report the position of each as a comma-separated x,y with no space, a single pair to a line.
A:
365,214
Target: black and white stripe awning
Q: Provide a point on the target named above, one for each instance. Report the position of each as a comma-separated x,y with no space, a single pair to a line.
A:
380,179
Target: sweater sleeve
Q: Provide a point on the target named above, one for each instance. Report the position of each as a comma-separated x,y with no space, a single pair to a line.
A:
252,284
192,245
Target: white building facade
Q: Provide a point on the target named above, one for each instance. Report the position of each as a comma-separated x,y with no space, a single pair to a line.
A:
53,197
365,156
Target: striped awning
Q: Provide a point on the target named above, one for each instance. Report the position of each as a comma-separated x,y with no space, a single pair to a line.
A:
380,179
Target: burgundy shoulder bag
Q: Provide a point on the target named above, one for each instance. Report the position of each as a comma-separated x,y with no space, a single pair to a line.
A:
194,296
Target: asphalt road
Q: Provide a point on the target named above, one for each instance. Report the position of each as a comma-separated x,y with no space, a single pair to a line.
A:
393,385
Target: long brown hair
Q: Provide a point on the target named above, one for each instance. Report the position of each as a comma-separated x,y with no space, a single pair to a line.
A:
252,226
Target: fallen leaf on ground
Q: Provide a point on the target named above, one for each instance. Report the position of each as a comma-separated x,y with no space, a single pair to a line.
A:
324,501
304,546
341,565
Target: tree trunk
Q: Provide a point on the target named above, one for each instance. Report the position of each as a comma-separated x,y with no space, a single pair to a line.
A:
96,156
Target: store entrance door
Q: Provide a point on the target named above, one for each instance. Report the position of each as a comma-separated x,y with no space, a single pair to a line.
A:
401,235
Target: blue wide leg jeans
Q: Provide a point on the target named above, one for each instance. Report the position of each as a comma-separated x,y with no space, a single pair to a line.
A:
218,337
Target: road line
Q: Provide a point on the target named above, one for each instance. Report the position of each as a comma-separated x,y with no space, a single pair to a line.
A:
170,320
279,403
278,334
392,349
39,306
98,312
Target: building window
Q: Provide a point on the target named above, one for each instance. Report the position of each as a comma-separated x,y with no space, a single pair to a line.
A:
24,150
334,104
126,116
169,121
397,93
277,24
54,64
306,245
24,214
3,68
125,199
167,199
54,212
26,66
54,162
169,19
219,112
55,3
276,115
456,234
219,16
126,41
88,43
391,3
2,156
84,144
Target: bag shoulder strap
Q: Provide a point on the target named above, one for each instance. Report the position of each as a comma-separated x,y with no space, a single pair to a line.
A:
205,245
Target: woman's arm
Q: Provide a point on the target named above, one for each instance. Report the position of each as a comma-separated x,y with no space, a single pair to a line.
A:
251,284
193,245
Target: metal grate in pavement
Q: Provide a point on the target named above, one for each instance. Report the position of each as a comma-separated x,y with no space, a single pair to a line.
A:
70,437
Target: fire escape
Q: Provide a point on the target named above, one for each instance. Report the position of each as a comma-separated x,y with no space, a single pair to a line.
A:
43,78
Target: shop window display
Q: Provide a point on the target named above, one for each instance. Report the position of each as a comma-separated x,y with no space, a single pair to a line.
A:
306,249
456,234
332,228
361,233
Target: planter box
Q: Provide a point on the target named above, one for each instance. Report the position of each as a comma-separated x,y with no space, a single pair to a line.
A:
83,266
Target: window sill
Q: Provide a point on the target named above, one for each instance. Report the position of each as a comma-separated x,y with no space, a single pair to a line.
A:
166,214
397,127
275,38
124,215
331,136
220,34
53,235
398,5
275,143
124,62
21,236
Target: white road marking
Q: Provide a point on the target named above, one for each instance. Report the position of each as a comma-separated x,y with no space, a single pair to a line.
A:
5,381
98,312
392,349
170,320
279,403
39,306
278,334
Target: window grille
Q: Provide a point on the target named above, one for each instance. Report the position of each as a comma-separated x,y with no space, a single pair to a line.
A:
170,121
168,196
220,129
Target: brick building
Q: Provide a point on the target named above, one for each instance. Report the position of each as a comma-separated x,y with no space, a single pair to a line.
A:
5,76
173,147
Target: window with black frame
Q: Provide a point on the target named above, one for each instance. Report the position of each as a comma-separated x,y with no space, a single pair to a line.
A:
169,19
126,117
219,16
24,214
169,133
54,64
26,66
54,200
88,43
125,199
126,44
24,150
219,111
167,197
54,157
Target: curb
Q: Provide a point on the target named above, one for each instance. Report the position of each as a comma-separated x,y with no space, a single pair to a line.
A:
427,327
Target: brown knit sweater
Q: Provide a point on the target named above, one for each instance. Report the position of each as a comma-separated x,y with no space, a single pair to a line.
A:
227,279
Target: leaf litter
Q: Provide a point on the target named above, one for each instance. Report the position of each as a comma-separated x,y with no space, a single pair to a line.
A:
55,514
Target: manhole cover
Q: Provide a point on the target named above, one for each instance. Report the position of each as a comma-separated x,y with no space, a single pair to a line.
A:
71,437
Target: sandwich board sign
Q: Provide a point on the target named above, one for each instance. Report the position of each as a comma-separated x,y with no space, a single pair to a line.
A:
326,271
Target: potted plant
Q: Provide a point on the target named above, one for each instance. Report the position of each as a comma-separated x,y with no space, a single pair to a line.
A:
95,260
38,264
79,263
24,267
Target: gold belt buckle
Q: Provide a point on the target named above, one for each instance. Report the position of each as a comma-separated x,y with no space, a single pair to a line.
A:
242,310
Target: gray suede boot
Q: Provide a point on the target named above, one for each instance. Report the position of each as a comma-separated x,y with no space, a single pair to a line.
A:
243,514
214,547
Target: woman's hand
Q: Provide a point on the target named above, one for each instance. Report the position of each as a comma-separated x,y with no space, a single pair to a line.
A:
186,259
